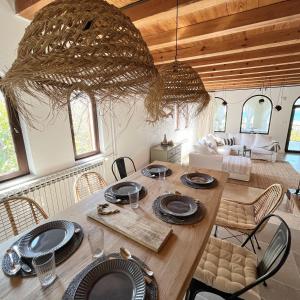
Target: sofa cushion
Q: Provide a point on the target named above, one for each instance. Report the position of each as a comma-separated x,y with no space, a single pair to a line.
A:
261,151
247,139
211,142
224,150
262,140
204,149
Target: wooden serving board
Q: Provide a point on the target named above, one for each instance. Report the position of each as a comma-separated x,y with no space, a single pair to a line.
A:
142,230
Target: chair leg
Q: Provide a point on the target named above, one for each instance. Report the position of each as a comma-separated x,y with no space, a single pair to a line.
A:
265,283
216,230
252,245
258,245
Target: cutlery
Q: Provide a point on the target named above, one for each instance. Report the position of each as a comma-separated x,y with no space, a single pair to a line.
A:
16,266
147,278
149,174
175,218
77,230
125,253
24,266
113,198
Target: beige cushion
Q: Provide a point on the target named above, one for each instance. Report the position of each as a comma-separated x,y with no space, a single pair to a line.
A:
228,267
236,216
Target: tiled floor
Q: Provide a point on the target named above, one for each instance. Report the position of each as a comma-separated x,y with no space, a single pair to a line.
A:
293,159
285,285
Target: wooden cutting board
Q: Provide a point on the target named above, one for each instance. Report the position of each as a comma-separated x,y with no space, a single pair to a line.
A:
142,230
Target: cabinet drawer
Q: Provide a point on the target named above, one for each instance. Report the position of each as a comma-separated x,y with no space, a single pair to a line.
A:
175,159
172,152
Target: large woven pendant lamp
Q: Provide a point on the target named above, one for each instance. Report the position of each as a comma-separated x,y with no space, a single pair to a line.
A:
86,45
181,86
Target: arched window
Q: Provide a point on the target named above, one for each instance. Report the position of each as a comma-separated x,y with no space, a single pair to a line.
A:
13,161
84,125
293,138
220,114
256,115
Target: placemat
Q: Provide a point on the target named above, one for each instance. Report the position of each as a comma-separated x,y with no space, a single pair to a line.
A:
146,173
151,288
197,186
60,255
195,218
109,196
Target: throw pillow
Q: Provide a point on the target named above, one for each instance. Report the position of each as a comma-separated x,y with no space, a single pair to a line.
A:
229,142
262,140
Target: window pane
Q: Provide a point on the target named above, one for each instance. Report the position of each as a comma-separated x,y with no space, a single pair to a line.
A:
297,102
83,126
256,115
8,158
219,115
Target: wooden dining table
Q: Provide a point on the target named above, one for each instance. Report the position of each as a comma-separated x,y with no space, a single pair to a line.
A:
173,265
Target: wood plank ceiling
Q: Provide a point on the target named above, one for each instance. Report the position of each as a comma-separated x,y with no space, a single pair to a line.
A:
231,43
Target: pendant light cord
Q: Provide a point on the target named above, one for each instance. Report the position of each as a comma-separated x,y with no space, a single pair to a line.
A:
177,3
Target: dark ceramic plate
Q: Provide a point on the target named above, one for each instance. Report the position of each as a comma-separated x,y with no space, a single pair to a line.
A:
122,189
199,178
112,279
46,238
156,169
179,206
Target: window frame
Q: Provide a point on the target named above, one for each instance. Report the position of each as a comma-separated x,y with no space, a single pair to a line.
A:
270,118
286,148
95,127
18,140
225,114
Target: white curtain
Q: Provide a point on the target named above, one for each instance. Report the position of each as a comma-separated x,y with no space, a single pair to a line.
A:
206,119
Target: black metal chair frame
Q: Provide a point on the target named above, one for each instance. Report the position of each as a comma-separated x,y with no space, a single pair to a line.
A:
264,268
236,236
120,162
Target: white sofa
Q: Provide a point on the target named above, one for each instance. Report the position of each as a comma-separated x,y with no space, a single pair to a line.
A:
262,146
238,167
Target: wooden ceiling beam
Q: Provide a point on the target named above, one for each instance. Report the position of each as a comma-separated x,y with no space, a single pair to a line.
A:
234,43
251,64
253,85
136,10
243,21
285,74
256,79
258,71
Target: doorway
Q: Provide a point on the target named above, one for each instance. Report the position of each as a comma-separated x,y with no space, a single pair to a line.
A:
293,138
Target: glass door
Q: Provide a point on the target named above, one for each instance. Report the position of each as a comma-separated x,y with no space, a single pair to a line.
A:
293,138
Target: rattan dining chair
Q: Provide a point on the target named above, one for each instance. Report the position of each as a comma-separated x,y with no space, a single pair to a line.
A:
243,217
233,272
121,167
18,214
87,184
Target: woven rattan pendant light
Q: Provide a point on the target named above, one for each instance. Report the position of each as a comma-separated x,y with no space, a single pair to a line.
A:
181,86
86,45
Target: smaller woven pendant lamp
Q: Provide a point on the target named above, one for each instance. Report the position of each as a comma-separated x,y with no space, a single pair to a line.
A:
181,86
85,45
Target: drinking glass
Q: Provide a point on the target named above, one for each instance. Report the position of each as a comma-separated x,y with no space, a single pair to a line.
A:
44,266
134,199
96,241
165,186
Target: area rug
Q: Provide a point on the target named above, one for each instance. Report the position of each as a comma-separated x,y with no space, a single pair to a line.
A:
265,173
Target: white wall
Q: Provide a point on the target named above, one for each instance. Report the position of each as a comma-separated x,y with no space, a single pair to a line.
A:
49,148
280,119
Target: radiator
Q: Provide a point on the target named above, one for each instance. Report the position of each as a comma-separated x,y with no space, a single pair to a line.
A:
54,192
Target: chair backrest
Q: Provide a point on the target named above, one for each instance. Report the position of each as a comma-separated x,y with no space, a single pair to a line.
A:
121,166
18,214
87,184
267,202
275,255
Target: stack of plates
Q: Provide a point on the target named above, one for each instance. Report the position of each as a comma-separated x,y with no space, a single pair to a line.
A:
47,238
154,170
177,206
112,279
122,190
198,180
